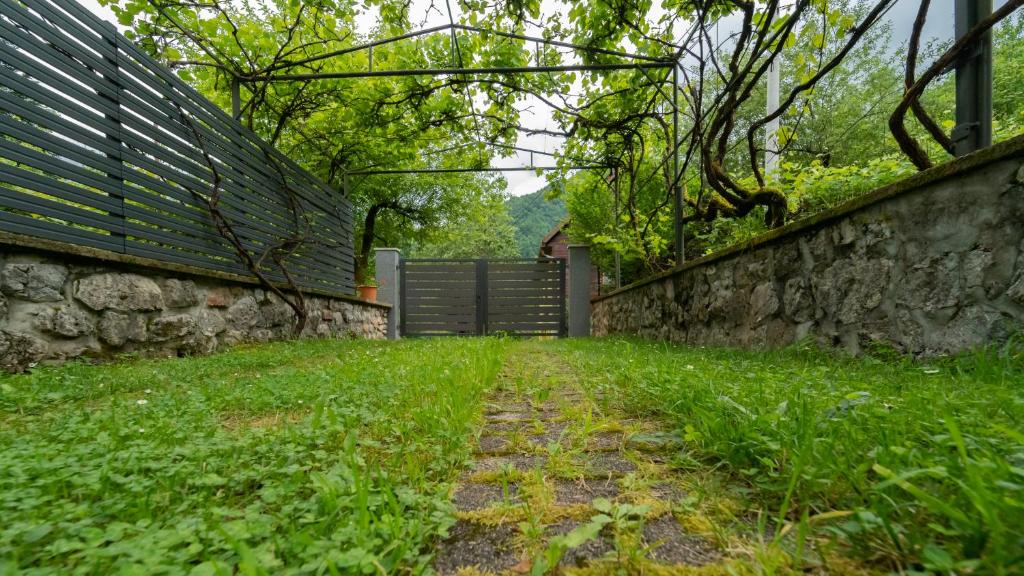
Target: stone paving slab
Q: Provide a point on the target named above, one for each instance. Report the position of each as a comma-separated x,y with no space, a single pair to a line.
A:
586,554
672,545
524,426
667,492
604,441
471,545
541,441
609,464
478,495
510,416
555,428
584,492
520,462
492,444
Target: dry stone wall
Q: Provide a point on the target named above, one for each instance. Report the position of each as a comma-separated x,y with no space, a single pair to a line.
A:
932,265
56,307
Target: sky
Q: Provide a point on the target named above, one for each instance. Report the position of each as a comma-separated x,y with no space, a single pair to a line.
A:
534,114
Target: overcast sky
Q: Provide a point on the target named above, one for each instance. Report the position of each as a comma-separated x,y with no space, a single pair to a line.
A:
535,114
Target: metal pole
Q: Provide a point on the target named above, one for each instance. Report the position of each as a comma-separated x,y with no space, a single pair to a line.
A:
973,130
618,256
676,179
458,71
487,169
389,286
579,290
236,99
771,131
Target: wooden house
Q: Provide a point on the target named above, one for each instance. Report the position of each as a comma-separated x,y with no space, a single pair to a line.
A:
556,245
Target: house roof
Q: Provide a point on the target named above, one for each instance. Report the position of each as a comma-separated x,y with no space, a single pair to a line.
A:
554,232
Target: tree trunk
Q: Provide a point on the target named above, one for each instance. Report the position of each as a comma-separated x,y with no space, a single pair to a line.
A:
366,242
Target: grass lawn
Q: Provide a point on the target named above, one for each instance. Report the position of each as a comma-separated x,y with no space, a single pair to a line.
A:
338,457
284,457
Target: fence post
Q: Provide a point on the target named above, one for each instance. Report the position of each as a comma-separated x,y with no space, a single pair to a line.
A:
579,290
973,130
389,287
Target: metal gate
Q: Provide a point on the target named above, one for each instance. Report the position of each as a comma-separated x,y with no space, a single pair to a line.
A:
478,297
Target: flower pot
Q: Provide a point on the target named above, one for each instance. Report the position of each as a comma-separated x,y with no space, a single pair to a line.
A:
368,293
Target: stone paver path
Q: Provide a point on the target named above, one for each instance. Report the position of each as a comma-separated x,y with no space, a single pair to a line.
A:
550,463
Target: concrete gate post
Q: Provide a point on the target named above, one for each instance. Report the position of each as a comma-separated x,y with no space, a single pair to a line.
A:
388,288
579,290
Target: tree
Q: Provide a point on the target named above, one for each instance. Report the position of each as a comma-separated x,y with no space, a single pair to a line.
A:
333,126
484,231
835,87
534,215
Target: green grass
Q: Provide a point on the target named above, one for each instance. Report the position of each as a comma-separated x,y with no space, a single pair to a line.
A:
908,466
299,457
336,457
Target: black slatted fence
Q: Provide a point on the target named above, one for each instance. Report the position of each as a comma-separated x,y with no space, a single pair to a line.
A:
101,146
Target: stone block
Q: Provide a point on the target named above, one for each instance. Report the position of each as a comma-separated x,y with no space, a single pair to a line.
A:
797,301
275,313
219,297
1016,290
122,292
933,283
117,328
180,293
35,282
170,327
764,302
244,313
199,344
66,322
19,352
210,322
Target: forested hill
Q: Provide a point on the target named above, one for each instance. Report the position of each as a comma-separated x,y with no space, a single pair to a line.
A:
533,216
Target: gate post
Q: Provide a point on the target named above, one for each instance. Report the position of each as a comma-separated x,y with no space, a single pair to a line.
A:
579,290
389,287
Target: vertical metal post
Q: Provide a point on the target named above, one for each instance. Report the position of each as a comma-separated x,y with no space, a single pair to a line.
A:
387,262
403,299
370,58
676,180
236,99
579,290
973,130
481,297
453,49
771,131
618,256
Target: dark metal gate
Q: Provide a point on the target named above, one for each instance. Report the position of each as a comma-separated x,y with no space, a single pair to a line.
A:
478,297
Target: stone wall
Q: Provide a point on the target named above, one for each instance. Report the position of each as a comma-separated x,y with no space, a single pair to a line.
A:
56,307
931,265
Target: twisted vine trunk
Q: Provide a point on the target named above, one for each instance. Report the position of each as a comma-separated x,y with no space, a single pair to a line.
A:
277,252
